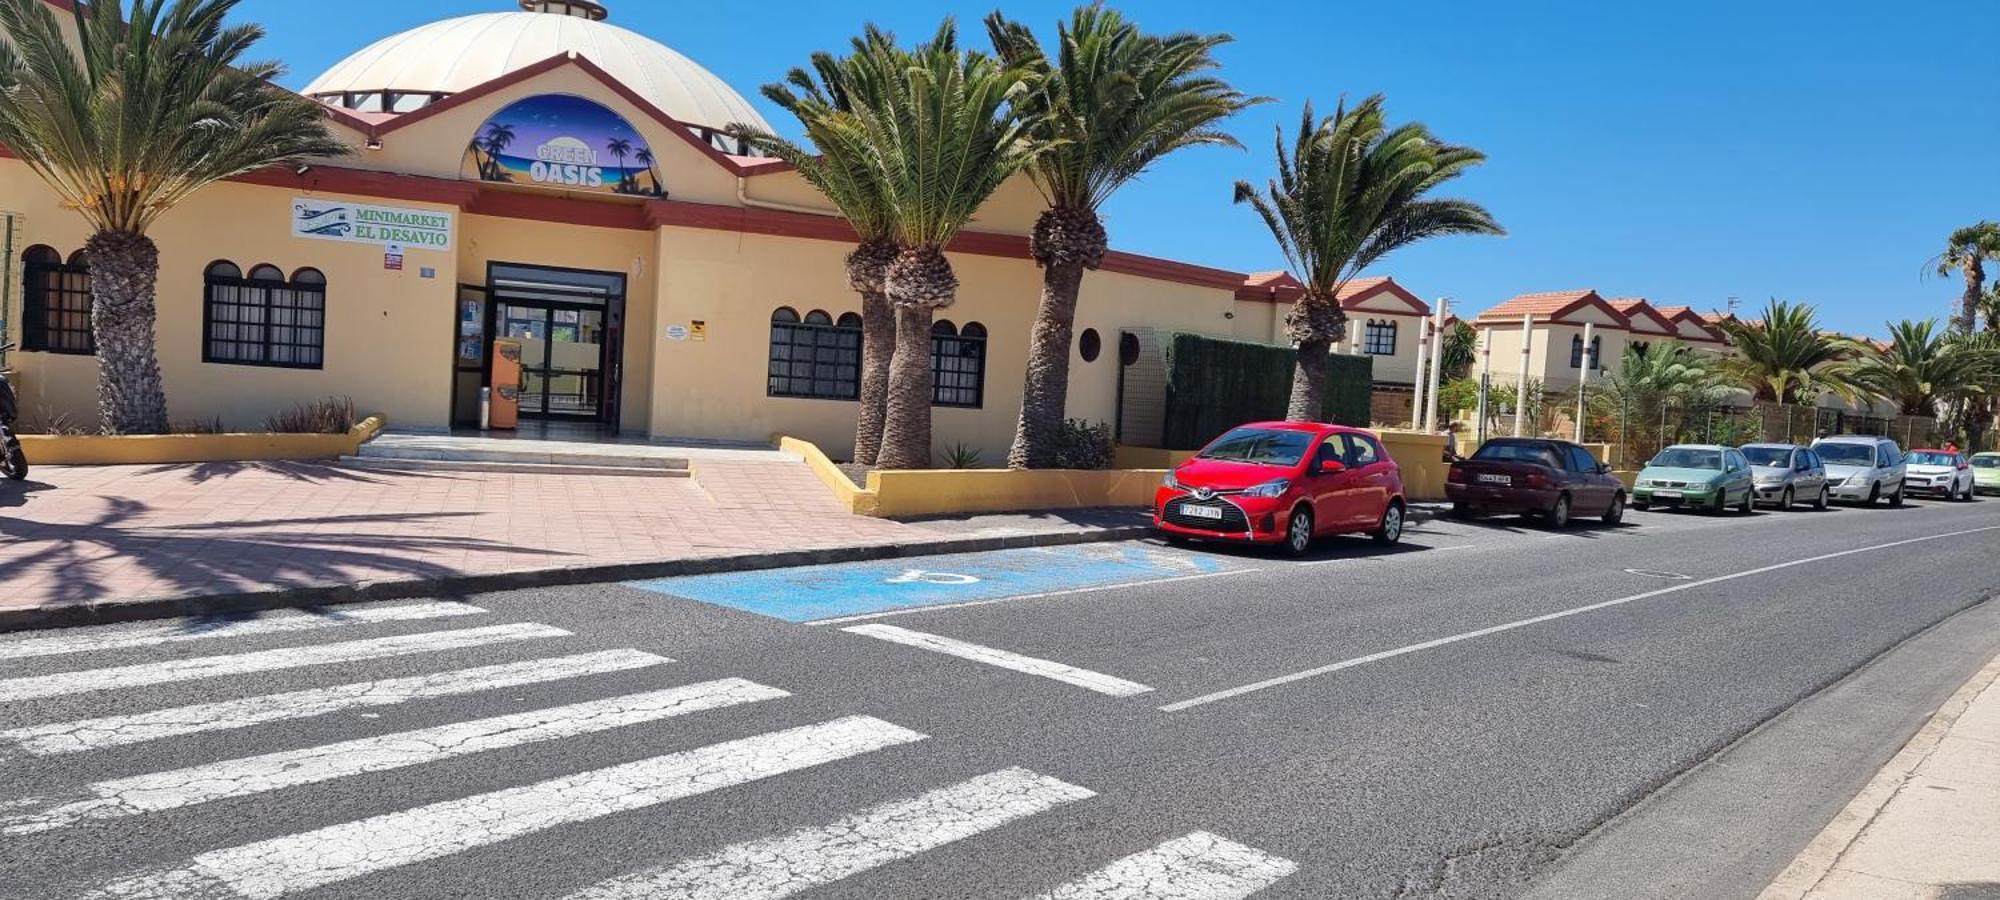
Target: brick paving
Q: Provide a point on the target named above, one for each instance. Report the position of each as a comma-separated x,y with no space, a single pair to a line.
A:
82,535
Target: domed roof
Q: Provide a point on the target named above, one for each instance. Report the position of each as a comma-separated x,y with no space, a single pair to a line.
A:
407,71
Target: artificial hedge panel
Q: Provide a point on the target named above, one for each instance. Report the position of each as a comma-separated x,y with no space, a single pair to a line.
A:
1214,385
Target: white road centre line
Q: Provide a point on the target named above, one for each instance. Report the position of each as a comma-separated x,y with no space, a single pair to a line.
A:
1548,617
299,862
787,864
111,638
1083,678
290,768
59,684
1199,866
137,728
863,617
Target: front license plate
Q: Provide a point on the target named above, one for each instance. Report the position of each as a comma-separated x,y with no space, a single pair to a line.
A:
1202,512
1667,495
1496,479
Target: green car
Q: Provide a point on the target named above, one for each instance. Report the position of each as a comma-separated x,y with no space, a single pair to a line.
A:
1986,473
1697,476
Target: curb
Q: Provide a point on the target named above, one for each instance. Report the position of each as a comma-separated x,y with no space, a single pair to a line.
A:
1819,858
459,585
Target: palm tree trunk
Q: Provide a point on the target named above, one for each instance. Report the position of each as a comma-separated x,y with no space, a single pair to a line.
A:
1045,395
1975,282
906,433
878,349
124,273
1309,381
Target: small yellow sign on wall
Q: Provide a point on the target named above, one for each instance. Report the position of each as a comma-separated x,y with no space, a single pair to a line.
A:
698,330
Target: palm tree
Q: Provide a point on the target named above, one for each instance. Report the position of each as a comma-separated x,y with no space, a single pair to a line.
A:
1786,357
1967,251
645,158
1111,103
1648,385
940,134
621,148
821,99
1925,365
142,115
499,136
1350,191
1460,350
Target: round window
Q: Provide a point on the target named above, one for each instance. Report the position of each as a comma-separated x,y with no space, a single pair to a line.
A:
1089,345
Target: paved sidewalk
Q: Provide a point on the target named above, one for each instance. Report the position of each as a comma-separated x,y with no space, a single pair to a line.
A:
76,538
1928,826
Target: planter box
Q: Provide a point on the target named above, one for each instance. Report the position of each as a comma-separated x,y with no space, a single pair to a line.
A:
155,449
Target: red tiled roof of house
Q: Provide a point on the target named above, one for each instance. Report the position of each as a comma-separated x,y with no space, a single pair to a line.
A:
1635,308
1549,306
1281,287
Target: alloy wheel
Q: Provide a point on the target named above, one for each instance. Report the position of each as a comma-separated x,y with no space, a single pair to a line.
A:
1616,513
1391,530
1298,537
1559,516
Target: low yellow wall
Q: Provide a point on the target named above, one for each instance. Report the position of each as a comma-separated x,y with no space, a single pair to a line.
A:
1149,457
939,491
154,449
1421,457
854,499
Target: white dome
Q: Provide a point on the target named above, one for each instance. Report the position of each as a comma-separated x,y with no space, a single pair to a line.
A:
443,58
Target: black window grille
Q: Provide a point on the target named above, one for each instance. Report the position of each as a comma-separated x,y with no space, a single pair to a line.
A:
1576,350
958,364
55,314
265,319
817,357
1380,339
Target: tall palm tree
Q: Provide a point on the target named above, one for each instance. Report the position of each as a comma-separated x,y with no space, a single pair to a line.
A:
941,134
499,136
1647,386
1967,251
645,158
620,148
1350,191
146,112
1925,365
1112,102
823,102
1785,357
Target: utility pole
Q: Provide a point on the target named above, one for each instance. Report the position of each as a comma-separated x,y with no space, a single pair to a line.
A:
1417,377
1583,379
1485,376
1527,356
1437,365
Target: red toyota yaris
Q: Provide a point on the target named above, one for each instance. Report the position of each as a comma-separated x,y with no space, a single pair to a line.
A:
1284,483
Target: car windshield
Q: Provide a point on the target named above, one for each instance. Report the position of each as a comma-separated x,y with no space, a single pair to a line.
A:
1933,458
1516,451
1769,456
1263,446
1688,458
1846,454
1986,462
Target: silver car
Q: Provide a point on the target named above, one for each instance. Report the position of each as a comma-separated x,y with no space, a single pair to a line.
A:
1788,473
1862,467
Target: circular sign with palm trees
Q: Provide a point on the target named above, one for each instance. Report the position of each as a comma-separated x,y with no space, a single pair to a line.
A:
567,142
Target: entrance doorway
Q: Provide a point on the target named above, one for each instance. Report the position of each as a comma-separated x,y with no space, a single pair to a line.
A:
570,325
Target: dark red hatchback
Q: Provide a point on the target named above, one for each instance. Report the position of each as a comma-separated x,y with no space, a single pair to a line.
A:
1538,476
1284,483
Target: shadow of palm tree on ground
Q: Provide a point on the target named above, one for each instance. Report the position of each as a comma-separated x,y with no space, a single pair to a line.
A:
309,473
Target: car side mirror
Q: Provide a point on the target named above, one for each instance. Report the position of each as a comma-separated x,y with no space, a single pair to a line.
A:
1331,467
1603,468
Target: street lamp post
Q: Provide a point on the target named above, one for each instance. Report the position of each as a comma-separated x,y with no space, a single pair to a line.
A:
1527,356
1437,365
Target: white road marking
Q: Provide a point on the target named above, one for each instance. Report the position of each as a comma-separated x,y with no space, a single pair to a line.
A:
279,866
787,864
1083,678
137,728
1199,866
86,641
59,684
863,617
1549,617
290,768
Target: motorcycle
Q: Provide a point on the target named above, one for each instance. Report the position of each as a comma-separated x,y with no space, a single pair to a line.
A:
13,463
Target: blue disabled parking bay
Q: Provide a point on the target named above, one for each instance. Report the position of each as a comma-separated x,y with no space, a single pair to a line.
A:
851,589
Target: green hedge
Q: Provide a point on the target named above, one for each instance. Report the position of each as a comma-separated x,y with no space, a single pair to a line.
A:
1214,385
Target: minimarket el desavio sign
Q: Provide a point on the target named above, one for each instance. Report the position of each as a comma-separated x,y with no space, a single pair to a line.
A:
566,142
338,220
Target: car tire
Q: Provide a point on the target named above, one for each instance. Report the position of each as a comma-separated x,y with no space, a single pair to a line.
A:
1874,493
1390,529
1896,499
1558,515
1825,499
1785,499
1615,513
1464,511
1749,504
1298,532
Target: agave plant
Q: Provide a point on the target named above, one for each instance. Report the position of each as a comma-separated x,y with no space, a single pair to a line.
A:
1351,190
140,115
1924,365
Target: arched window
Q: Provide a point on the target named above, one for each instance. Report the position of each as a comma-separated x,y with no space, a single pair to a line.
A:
1380,338
814,357
958,364
55,313
264,319
1576,350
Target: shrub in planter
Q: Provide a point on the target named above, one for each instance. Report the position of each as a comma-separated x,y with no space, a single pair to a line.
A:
1082,445
334,415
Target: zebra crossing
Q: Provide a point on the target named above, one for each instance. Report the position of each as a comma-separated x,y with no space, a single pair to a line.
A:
399,842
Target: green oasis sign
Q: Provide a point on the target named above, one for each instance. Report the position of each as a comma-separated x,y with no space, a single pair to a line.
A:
335,220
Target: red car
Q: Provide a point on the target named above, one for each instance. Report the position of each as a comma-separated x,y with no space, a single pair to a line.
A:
1284,483
1541,477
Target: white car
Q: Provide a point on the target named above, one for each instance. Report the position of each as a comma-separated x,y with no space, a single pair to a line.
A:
1939,473
1862,468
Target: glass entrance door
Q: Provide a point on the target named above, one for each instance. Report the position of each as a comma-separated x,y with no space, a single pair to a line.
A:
566,322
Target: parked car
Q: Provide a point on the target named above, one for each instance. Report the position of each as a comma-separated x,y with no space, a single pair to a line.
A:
1284,483
1698,476
1938,473
1552,479
1986,473
1787,473
1862,467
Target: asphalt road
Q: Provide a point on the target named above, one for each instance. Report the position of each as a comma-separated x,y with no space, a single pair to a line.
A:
1449,718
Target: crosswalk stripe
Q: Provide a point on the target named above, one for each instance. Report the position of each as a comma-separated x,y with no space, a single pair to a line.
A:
1198,866
87,641
275,867
1083,678
253,775
136,728
781,866
35,687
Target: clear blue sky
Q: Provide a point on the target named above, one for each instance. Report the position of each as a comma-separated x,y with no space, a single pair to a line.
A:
1686,152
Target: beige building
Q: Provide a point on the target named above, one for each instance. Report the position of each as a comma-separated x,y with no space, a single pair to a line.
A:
1565,331
1385,322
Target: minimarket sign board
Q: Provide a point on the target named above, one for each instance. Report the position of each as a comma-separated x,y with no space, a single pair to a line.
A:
565,142
338,220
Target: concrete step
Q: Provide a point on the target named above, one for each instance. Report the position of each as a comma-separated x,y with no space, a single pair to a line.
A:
390,463
545,453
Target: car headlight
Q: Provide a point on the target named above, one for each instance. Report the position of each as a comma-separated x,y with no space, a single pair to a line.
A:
1269,489
1172,482
1857,480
